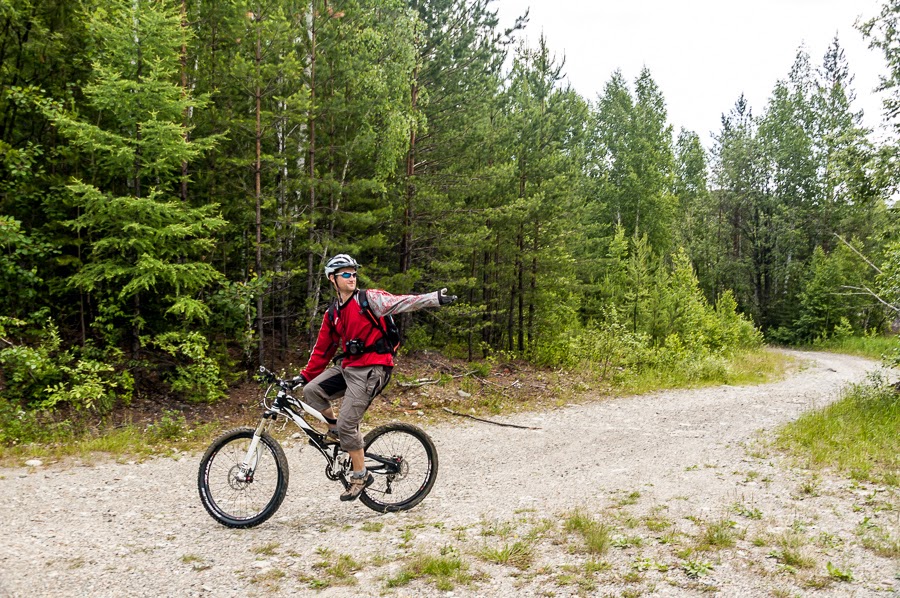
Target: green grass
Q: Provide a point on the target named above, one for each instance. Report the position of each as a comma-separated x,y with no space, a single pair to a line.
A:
873,347
717,535
856,435
57,440
755,366
128,440
444,571
518,554
597,535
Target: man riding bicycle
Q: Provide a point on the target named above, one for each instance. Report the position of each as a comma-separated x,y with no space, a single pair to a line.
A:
355,324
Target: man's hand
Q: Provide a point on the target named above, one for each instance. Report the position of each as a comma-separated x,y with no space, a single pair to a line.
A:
444,298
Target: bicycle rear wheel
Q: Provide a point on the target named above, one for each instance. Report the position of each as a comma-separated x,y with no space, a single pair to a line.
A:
404,463
232,497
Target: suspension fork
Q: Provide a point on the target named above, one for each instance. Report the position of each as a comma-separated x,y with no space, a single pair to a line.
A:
251,456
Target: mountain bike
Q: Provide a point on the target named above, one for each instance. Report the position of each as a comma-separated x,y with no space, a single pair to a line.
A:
243,475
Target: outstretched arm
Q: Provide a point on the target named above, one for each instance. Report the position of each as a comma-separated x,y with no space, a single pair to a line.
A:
384,304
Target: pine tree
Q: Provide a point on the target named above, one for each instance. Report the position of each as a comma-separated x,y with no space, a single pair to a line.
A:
145,265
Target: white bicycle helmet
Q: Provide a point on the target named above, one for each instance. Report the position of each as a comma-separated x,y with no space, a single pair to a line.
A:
341,260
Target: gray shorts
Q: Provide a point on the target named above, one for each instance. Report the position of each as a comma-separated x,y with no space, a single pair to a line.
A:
358,386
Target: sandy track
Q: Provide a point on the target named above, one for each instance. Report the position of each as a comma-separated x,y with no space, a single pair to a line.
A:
139,529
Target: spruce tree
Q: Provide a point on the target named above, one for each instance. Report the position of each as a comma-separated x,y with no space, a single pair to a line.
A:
145,265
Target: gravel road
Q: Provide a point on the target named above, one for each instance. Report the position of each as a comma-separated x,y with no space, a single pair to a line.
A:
658,469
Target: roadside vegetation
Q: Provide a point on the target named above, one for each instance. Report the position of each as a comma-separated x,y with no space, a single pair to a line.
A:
857,435
423,387
873,346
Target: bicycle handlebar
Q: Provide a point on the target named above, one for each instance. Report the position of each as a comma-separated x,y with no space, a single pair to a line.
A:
287,384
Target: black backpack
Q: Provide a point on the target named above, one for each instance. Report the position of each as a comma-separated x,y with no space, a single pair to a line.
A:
390,332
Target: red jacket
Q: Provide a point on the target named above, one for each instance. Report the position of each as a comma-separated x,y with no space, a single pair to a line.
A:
350,322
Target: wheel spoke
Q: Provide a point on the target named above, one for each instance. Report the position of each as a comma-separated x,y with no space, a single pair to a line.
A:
409,472
233,498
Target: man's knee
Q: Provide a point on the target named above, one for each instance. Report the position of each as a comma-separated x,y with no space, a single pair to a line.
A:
314,397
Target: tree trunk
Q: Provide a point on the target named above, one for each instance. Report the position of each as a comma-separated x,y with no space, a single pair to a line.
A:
312,295
533,283
184,164
258,194
520,269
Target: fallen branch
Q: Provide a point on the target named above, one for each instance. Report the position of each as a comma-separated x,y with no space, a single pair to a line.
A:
424,381
417,383
487,421
502,389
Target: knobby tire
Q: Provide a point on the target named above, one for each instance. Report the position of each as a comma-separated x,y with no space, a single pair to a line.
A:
414,451
241,504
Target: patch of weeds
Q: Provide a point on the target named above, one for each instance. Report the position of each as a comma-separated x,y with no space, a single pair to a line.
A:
792,558
685,553
826,540
800,526
692,468
443,571
406,538
743,510
372,526
717,535
704,588
816,582
269,578
586,585
810,486
633,577
629,499
856,434
337,569
597,535
196,562
540,529
647,564
592,566
266,549
696,568
501,529
877,540
519,555
77,562
657,524
751,476
628,542
461,533
670,537
839,574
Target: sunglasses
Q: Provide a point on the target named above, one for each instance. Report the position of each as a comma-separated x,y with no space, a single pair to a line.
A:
347,274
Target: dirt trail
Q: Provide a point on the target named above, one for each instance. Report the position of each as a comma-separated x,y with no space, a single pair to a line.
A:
139,529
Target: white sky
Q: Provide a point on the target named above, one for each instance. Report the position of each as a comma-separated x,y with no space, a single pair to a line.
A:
702,53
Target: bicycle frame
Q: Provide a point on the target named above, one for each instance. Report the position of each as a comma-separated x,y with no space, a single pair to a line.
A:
284,405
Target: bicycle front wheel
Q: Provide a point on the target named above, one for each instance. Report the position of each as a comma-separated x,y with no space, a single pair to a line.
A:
404,462
237,497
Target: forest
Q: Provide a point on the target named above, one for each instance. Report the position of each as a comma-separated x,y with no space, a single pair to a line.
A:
174,175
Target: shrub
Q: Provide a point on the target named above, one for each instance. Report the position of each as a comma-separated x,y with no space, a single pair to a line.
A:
196,375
